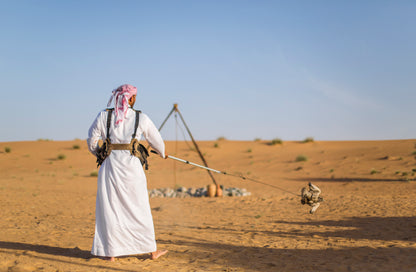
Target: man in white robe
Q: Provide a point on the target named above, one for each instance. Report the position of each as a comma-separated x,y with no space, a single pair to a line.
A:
123,219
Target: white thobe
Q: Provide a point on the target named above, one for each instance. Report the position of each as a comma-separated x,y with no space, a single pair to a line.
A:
123,219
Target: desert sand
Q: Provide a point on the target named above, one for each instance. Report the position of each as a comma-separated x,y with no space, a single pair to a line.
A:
367,221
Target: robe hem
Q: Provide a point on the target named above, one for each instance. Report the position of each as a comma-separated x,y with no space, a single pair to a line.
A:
122,253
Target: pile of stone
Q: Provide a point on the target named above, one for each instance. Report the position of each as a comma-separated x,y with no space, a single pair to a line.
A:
183,192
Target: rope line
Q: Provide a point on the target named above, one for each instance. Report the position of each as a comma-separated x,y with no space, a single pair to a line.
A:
257,181
225,173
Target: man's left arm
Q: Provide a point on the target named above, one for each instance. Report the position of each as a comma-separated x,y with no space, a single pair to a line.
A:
152,135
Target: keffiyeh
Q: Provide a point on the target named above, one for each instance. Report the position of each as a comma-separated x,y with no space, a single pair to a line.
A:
121,97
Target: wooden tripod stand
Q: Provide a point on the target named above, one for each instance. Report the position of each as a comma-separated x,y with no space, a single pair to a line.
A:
175,109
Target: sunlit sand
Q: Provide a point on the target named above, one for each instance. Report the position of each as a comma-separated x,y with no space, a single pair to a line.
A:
366,223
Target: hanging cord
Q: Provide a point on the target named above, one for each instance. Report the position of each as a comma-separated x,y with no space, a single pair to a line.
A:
257,181
184,136
176,146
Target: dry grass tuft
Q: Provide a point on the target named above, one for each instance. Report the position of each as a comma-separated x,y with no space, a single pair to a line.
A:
276,141
308,140
301,158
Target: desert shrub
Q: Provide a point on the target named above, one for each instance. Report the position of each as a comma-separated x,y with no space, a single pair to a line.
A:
276,141
222,138
374,171
257,139
301,158
61,157
249,150
414,153
94,174
76,147
308,140
216,145
7,149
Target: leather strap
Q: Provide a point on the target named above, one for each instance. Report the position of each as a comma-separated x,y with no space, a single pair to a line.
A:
121,146
136,124
109,115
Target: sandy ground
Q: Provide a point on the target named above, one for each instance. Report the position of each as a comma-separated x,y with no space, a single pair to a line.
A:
367,222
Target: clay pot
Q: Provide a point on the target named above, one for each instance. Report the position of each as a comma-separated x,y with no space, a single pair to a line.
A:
219,191
211,190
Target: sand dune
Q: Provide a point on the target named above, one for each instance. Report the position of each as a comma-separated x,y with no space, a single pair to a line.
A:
366,223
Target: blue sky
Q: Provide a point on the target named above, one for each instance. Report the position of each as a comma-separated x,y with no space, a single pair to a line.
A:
332,70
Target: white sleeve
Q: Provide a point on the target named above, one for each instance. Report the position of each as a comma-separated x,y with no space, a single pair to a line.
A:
152,135
95,134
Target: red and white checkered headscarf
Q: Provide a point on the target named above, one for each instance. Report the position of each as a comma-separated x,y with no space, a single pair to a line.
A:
121,103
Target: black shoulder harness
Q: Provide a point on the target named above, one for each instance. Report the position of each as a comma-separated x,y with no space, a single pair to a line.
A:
136,149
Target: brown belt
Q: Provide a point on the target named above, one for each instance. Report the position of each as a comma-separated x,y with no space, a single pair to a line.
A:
135,148
120,147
